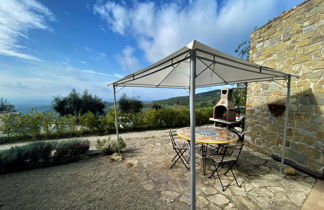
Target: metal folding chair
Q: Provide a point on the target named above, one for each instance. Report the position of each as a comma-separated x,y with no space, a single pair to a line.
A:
229,157
240,134
180,148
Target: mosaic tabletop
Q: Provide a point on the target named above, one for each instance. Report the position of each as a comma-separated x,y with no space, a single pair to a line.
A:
210,135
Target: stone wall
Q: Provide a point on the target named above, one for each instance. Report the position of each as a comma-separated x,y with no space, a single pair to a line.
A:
293,43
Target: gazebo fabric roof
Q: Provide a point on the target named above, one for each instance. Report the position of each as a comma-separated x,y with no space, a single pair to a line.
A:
212,68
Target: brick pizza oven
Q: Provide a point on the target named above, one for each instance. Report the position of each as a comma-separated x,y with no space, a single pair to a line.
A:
224,109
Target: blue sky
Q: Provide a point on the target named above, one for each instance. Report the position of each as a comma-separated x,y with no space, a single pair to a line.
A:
49,47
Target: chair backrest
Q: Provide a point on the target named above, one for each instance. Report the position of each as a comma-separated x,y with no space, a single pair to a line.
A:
172,138
240,134
234,154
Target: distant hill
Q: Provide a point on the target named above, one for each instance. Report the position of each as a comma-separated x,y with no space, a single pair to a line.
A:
205,99
28,108
48,108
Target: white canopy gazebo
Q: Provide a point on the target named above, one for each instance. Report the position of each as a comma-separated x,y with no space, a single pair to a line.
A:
194,66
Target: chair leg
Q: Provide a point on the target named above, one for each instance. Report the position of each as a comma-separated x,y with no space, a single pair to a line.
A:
183,159
235,178
203,153
220,181
179,155
229,168
216,169
174,157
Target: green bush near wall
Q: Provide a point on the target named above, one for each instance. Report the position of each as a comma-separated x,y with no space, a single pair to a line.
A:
37,126
42,154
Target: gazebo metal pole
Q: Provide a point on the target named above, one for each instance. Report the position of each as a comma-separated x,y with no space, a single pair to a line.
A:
116,117
286,124
192,128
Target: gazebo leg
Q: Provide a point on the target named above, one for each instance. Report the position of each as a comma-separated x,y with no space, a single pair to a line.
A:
286,124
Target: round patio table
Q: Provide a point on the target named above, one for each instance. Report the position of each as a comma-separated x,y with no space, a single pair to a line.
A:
210,135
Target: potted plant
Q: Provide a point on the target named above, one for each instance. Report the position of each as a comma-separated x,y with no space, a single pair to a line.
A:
277,109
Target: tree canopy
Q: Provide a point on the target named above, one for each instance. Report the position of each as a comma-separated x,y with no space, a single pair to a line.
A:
243,50
130,105
75,104
6,106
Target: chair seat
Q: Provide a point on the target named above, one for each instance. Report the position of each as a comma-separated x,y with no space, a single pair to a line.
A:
228,155
181,145
218,158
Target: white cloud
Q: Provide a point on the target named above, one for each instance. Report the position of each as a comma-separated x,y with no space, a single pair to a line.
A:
127,60
160,29
114,14
17,18
45,80
102,54
98,73
118,75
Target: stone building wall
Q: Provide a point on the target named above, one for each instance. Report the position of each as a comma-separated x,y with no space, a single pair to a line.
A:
293,43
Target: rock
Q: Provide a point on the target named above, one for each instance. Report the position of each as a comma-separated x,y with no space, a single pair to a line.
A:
243,202
218,199
264,168
289,170
169,196
230,207
116,157
275,189
260,192
131,163
185,198
148,185
208,190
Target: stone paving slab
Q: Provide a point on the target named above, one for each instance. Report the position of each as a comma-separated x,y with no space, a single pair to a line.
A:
262,186
315,200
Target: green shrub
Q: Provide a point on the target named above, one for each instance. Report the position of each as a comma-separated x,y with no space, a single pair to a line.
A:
47,122
10,160
109,147
41,154
33,155
33,122
36,154
118,146
8,124
203,115
72,123
105,146
68,151
38,126
91,122
60,125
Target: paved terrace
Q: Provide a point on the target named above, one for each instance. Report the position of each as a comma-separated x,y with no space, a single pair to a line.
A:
144,180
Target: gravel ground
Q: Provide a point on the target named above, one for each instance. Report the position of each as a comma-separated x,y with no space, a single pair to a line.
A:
96,183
